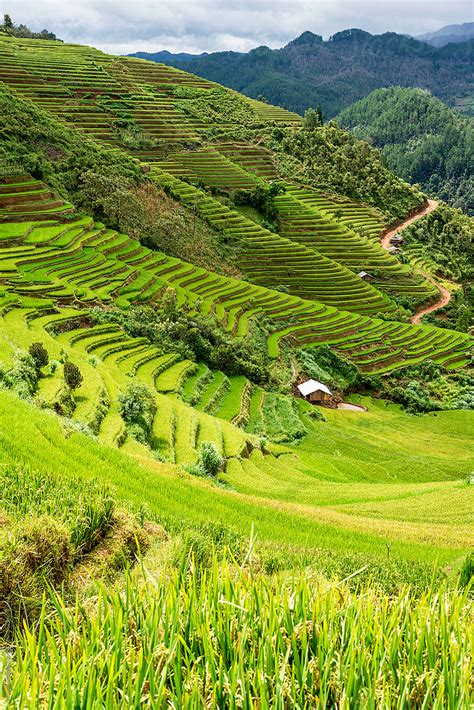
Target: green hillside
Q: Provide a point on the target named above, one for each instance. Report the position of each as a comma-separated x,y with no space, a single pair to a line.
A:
421,139
174,259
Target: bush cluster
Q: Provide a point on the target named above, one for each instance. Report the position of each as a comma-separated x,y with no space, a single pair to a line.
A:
197,337
209,462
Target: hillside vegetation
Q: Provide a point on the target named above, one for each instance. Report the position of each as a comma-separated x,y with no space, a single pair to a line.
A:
174,259
333,74
421,140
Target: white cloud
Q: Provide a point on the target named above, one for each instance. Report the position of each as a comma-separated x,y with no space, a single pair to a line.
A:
122,26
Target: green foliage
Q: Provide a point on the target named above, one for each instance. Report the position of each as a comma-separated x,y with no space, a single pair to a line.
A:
422,140
197,337
39,354
137,406
446,238
50,151
329,158
414,398
72,375
23,377
427,387
313,118
261,197
467,572
23,31
209,462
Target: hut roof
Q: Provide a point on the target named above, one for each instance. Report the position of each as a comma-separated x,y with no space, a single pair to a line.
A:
311,386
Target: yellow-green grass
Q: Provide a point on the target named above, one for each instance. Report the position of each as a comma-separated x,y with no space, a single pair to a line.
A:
269,499
228,638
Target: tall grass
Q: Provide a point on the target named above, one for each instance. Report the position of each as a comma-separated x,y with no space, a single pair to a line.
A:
84,506
225,638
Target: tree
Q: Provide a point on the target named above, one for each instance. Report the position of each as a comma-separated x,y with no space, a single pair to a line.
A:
137,406
313,119
72,375
39,354
7,22
209,463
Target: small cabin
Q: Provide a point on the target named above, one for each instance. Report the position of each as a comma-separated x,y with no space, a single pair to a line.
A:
316,392
365,276
395,250
397,240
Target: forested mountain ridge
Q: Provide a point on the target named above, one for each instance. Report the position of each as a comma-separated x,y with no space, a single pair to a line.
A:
449,33
421,139
334,74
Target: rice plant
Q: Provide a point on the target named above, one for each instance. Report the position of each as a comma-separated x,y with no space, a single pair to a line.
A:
226,638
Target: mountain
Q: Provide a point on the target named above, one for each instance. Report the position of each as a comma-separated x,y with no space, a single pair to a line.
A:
449,34
333,74
166,57
421,139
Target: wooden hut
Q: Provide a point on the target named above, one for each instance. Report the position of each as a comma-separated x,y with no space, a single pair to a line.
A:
316,392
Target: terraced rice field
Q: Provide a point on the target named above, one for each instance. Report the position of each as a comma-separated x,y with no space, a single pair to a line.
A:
324,240
82,263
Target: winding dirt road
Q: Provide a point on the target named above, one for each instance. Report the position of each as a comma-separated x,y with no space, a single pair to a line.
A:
444,294
430,206
443,300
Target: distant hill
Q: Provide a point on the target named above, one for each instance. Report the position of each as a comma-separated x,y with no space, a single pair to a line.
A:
422,140
448,34
334,74
165,57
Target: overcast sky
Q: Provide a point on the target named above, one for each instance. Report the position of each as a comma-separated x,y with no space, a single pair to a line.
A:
123,26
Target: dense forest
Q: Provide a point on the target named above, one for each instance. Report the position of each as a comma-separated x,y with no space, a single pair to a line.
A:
421,139
334,74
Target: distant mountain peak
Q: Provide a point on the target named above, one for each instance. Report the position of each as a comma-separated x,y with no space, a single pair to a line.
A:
306,38
353,33
449,34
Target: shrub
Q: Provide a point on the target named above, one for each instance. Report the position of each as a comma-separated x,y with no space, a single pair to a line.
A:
209,463
72,375
137,407
39,354
23,377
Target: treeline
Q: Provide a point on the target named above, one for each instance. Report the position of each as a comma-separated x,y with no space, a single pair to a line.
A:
8,27
421,139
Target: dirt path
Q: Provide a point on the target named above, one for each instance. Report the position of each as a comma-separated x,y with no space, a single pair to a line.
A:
430,206
444,294
443,300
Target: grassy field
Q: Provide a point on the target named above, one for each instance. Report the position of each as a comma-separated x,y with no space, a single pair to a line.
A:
284,499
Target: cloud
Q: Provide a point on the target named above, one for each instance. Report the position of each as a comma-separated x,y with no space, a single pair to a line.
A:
122,26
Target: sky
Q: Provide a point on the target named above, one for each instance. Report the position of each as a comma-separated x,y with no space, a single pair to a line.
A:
125,26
